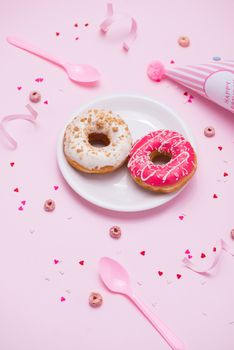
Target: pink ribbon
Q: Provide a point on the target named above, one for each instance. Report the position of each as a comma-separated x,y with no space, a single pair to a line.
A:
30,117
111,18
220,247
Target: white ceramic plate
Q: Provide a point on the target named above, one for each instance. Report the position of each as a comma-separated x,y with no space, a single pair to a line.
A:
117,191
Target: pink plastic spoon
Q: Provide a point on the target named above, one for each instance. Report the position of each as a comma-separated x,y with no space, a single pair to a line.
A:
116,279
81,73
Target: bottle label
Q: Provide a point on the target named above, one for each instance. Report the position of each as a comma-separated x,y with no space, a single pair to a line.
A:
219,87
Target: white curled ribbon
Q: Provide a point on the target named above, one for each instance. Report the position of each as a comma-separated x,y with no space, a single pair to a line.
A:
220,246
30,117
111,18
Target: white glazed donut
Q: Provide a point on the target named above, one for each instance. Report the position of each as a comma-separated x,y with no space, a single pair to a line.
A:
97,126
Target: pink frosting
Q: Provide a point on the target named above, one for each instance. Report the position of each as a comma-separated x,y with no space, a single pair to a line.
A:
181,164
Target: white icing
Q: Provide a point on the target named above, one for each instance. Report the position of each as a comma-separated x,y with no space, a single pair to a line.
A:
78,148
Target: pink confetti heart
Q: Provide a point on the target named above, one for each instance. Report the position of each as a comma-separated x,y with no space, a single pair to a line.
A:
45,102
57,33
86,24
56,261
76,25
190,256
19,87
187,251
189,100
39,80
172,62
181,217
220,148
12,164
77,38
214,249
16,189
142,252
56,188
160,273
21,208
225,174
81,262
23,202
185,93
191,96
178,276
215,195
62,299
203,256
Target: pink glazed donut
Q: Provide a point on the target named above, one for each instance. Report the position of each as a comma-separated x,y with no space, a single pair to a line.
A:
179,164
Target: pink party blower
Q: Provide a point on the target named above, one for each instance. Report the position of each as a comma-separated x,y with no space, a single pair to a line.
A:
214,81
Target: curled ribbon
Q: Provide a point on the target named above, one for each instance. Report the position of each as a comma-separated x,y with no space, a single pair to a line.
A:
111,18
220,247
30,117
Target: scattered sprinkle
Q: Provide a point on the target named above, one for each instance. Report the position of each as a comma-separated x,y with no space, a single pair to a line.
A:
47,279
215,195
190,256
16,189
232,233
139,283
39,80
160,273
204,313
57,33
77,38
61,273
187,251
62,299
12,164
86,24
23,202
214,249
76,25
45,102
203,282
68,291
56,187
142,252
203,255
185,93
31,230
220,148
69,218
56,261
181,217
225,174
172,62
178,276
21,208
19,88
81,262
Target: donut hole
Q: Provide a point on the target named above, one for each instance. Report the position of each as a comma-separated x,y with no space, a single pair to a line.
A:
160,158
98,140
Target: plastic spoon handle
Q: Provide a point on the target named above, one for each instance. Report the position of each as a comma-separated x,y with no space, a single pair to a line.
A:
173,341
30,48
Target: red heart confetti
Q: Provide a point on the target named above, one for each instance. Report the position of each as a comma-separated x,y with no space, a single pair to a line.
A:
215,195
56,187
86,24
191,96
220,148
56,261
190,256
19,87
76,25
185,93
178,276
23,202
187,251
21,208
160,273
77,38
172,62
189,100
142,252
214,249
81,262
225,174
39,80
203,255
181,217
57,33
45,102
16,189
62,299
12,164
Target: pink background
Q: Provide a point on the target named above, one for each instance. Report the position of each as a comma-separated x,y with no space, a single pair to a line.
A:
199,309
